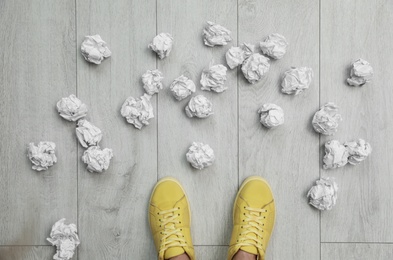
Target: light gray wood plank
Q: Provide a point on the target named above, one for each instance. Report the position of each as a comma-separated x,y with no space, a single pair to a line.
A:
37,64
27,252
287,157
113,205
355,251
212,190
365,200
211,252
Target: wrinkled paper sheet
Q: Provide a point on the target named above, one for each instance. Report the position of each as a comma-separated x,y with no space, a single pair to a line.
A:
65,238
94,49
271,115
199,106
97,160
42,156
323,195
138,111
182,87
200,155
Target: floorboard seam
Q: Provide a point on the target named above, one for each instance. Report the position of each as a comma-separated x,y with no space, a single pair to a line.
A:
319,137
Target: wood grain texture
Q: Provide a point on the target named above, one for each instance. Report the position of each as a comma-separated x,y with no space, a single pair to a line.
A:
287,156
113,205
211,252
352,31
212,190
28,252
353,251
37,64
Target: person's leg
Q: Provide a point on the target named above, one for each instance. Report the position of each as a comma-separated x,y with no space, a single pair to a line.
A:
170,219
253,220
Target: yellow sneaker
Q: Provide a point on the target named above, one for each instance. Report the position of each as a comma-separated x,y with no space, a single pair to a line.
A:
253,218
170,219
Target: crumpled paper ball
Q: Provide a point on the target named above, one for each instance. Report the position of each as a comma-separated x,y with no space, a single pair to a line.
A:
271,115
361,73
42,156
248,49
274,46
94,49
97,160
234,57
214,78
336,155
326,119
152,81
255,67
71,108
88,134
323,195
296,80
182,87
199,106
215,34
200,155
65,238
358,151
162,45
137,111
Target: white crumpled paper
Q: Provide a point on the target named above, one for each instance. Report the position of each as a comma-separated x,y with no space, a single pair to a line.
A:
215,34
234,57
65,238
214,78
326,119
97,160
162,44
199,106
361,73
71,108
182,87
137,111
271,115
296,80
200,155
94,49
255,67
42,156
274,46
152,81
336,155
248,49
88,134
323,195
358,151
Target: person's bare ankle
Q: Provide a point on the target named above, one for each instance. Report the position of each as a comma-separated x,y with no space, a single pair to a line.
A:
243,255
180,257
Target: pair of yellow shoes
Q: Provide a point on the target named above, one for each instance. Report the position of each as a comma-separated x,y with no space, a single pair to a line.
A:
170,219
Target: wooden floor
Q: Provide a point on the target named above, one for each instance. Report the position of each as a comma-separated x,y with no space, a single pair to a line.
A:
40,62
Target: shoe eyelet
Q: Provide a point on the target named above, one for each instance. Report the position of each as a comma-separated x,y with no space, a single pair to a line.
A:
178,214
178,207
179,222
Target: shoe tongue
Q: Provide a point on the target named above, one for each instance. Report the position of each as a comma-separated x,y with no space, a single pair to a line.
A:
250,249
173,251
